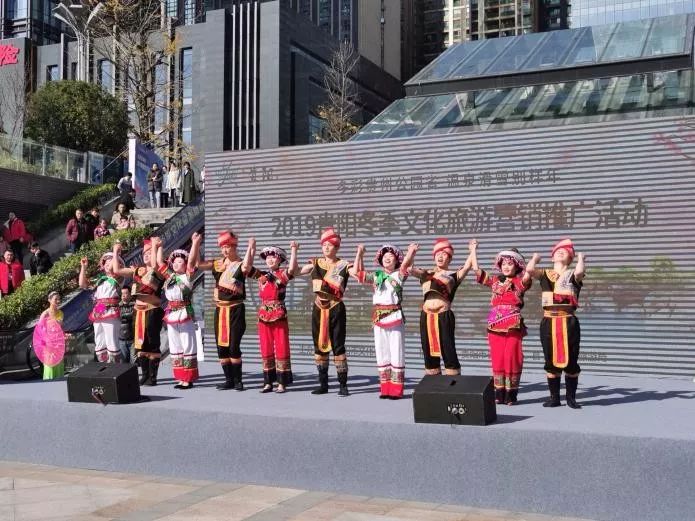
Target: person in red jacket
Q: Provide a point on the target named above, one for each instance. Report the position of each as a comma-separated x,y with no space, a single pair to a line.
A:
77,231
16,235
11,274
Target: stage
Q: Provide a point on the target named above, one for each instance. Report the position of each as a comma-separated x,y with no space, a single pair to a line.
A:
629,454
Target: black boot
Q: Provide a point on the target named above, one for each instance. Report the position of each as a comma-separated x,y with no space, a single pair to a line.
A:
154,369
342,380
228,380
323,380
500,396
144,364
512,396
268,379
571,391
236,375
554,386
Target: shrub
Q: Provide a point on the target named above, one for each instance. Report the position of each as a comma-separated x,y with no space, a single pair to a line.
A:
29,300
61,214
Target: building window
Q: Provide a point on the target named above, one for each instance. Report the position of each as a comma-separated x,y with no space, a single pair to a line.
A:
52,73
172,8
17,9
325,7
160,97
317,128
105,75
186,94
189,12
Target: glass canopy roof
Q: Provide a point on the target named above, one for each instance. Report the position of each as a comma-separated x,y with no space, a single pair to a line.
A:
598,45
653,94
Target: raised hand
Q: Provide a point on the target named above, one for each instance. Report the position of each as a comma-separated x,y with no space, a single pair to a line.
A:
196,238
84,262
117,248
536,258
360,248
156,241
473,245
294,245
252,242
581,257
413,247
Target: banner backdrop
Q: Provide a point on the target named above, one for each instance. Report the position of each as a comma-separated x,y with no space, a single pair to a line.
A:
140,160
623,191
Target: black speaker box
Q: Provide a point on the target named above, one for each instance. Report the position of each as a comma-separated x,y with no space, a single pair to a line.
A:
99,382
457,400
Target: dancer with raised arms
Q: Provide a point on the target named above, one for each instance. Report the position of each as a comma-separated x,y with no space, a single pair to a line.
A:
329,277
560,331
437,322
387,313
230,273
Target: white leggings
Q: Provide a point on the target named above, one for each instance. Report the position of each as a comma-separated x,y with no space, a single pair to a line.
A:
390,346
182,341
106,345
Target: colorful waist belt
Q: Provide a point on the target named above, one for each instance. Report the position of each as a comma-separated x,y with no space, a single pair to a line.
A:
228,303
557,313
178,304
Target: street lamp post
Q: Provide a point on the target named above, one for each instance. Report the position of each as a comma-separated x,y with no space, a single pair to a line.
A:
78,17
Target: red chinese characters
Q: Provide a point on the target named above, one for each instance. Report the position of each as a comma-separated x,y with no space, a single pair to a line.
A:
8,55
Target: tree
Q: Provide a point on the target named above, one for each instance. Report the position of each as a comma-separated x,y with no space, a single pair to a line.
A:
78,115
140,41
13,99
340,108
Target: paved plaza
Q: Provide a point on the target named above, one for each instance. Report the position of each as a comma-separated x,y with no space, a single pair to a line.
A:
41,492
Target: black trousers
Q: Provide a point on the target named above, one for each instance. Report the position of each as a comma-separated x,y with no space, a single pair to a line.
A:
555,344
236,330
330,323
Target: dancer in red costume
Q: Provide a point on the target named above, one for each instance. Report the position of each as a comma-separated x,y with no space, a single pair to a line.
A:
505,325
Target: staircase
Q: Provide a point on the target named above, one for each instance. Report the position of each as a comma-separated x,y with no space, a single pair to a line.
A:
153,217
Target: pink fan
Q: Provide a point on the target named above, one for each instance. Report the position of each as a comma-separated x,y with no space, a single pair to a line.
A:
49,341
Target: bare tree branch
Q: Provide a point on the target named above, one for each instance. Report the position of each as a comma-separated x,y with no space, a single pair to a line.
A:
341,106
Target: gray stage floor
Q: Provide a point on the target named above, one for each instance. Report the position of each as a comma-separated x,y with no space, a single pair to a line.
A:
628,455
619,406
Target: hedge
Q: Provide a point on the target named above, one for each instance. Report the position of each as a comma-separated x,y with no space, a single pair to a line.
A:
61,214
30,299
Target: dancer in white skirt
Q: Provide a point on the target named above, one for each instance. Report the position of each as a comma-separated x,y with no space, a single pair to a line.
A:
105,315
387,314
178,314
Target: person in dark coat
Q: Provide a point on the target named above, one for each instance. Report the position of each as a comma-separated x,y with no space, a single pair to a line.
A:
76,231
188,181
40,262
154,186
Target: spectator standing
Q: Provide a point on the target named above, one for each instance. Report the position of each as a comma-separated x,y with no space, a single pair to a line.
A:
188,182
16,235
92,219
76,231
165,187
175,184
40,262
11,274
102,230
127,331
126,190
154,186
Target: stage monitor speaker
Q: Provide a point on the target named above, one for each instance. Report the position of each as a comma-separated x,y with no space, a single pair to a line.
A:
104,383
457,400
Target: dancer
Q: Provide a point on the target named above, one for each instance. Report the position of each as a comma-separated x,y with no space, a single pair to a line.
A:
505,325
329,276
560,332
273,330
105,315
148,281
437,322
387,314
230,273
178,316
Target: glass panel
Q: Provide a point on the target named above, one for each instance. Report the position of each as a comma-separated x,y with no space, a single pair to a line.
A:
627,42
388,119
589,46
667,36
416,119
551,52
448,61
482,59
517,53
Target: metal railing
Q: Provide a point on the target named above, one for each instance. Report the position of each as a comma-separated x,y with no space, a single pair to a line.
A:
25,155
